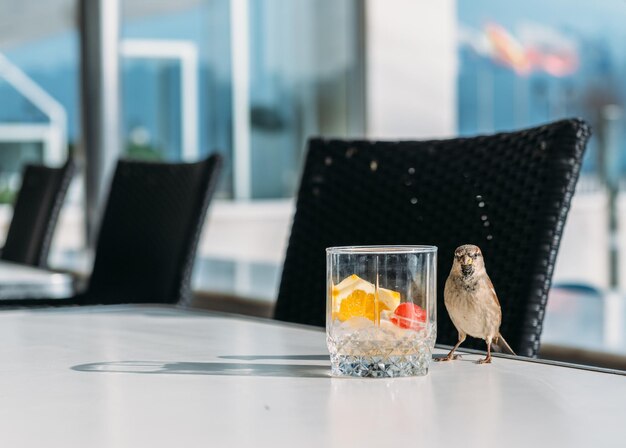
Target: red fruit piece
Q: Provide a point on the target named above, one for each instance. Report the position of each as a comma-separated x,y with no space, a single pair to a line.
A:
408,315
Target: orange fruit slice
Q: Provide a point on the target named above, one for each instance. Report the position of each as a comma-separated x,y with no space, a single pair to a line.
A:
355,297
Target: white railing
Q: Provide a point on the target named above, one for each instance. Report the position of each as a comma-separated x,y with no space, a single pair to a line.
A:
186,53
53,134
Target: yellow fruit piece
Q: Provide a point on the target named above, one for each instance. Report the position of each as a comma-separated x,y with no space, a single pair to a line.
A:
346,287
359,304
388,298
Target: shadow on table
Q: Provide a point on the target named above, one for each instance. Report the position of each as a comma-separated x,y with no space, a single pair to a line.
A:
286,357
207,368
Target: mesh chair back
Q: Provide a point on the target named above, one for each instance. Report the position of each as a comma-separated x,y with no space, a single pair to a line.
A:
507,193
150,230
36,212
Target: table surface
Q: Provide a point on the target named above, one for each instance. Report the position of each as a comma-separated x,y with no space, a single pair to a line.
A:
155,376
17,281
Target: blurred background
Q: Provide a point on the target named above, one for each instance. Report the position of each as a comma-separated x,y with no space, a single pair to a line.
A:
254,79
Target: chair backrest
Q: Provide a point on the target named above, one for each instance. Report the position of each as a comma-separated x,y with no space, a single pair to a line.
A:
150,231
507,193
36,212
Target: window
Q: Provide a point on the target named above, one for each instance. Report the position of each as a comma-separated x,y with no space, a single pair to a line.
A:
40,113
182,74
176,81
39,87
540,61
305,80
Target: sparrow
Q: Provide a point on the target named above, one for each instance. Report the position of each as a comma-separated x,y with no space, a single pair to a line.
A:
472,302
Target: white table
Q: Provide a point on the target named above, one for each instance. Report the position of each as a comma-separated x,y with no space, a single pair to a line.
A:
148,376
18,281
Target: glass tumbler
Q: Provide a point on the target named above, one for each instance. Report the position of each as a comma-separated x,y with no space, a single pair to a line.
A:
381,310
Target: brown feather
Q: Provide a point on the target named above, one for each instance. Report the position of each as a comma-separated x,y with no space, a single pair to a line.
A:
500,345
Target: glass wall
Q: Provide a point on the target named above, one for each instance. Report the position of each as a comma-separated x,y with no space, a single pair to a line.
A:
39,87
303,74
541,61
176,78
305,78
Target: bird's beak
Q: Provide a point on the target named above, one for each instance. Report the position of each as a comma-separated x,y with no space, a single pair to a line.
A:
467,261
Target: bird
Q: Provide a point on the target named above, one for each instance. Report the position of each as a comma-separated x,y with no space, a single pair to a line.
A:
472,303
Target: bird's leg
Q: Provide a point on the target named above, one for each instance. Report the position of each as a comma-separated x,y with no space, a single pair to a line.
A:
451,355
487,360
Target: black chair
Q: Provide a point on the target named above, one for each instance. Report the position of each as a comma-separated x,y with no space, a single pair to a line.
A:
149,234
35,213
508,193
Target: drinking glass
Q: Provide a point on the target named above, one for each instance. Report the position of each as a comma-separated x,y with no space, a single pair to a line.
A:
381,310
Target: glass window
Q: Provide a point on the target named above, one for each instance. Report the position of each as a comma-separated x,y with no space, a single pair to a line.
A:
305,80
541,61
176,81
40,113
39,88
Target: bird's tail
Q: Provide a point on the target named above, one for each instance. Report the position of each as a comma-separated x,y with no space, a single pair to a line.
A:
500,344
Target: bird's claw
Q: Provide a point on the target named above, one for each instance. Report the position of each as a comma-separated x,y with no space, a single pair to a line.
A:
487,360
